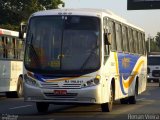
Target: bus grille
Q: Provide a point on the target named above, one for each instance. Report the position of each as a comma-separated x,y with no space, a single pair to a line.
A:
56,86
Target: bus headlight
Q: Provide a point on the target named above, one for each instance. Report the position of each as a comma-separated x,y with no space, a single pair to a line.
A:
92,82
30,81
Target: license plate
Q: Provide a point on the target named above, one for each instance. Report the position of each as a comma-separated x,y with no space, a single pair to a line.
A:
60,92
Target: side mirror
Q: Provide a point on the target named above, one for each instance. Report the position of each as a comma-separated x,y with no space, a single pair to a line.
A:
22,30
108,38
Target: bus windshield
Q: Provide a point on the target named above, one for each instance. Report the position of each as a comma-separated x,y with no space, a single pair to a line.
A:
58,43
153,60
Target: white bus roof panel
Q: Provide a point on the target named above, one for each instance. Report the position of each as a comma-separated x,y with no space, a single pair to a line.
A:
8,32
86,12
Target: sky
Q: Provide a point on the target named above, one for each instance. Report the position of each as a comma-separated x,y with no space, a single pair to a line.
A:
149,20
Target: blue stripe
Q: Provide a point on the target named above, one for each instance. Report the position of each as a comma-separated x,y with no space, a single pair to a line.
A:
126,67
42,78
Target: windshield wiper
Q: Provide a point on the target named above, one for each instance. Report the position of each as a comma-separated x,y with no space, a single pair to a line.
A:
88,58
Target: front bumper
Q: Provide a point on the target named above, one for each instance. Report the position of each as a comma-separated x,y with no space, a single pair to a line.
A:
88,95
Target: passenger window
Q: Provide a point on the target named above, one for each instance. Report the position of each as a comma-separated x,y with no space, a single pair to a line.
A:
119,37
131,42
144,44
10,47
19,50
4,42
106,47
135,37
1,47
125,40
112,31
140,43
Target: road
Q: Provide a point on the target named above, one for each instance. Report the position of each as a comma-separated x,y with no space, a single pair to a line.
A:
148,106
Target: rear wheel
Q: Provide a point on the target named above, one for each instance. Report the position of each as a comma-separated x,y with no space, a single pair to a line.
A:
107,107
19,92
42,107
124,100
133,99
10,95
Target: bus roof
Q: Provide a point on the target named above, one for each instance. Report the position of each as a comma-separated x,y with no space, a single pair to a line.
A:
8,32
86,12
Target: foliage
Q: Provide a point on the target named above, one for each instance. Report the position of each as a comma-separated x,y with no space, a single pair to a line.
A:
154,43
13,12
157,39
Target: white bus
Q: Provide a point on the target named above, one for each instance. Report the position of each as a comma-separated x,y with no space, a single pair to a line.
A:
11,63
83,56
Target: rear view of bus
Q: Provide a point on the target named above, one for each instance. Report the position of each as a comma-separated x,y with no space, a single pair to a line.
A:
11,63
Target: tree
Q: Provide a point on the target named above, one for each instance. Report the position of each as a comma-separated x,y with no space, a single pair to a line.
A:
157,39
13,12
154,47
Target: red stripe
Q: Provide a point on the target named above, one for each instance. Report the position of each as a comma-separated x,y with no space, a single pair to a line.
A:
1,32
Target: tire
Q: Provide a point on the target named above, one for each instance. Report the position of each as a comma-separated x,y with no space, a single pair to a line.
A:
10,95
19,92
107,107
124,100
42,107
133,99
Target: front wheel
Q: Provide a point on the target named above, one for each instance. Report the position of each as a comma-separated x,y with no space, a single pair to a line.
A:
19,92
42,107
107,107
